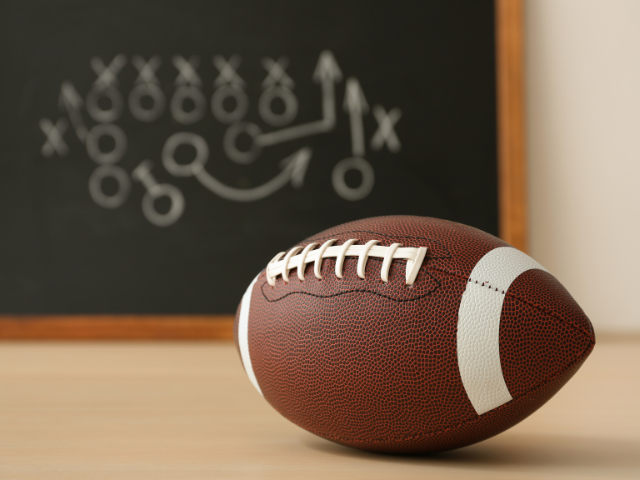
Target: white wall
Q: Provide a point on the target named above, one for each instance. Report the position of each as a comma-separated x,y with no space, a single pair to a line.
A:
583,100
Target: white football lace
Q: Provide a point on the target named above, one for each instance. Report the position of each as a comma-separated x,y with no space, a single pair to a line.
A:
293,259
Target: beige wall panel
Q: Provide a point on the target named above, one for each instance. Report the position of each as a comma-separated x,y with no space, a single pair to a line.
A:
583,117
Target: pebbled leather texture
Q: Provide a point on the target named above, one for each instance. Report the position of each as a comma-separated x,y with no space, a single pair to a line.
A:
375,366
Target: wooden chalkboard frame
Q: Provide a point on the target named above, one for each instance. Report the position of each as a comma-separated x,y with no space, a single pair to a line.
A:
512,217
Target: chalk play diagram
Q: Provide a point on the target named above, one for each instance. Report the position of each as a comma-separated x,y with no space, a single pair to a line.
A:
93,119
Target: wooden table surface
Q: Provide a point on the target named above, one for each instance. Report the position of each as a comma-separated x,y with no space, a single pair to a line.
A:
186,411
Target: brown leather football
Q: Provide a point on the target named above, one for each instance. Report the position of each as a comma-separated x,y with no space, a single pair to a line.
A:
408,334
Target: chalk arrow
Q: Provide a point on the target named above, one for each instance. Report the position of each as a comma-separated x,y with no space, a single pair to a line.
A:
356,106
327,69
294,168
72,102
327,73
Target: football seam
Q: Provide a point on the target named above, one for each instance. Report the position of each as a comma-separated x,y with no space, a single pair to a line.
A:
469,421
355,290
430,292
526,302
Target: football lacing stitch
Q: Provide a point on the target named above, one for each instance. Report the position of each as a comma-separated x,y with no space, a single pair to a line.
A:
292,259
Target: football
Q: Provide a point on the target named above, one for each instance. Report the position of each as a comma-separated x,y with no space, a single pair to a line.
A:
405,334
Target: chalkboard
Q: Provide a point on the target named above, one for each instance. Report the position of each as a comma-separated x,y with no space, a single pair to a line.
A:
154,155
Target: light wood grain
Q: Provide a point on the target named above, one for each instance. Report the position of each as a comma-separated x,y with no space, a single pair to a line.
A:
186,411
512,192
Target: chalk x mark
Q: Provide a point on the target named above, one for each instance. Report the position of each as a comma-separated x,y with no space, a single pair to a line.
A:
385,134
228,71
108,74
187,74
276,73
147,69
55,137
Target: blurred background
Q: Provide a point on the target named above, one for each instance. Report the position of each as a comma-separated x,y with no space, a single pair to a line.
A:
155,155
583,127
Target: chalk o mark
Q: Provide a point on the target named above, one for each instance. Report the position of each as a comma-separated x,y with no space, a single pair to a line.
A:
95,186
149,204
100,114
188,92
290,106
188,169
93,143
340,185
152,91
229,142
239,110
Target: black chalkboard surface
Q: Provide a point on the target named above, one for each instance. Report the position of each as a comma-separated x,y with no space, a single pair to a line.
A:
155,155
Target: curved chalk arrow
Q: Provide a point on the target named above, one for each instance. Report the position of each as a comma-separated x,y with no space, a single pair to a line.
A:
294,168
